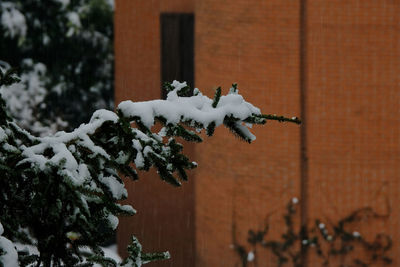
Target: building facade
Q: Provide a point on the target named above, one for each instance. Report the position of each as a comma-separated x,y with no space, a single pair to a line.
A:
335,64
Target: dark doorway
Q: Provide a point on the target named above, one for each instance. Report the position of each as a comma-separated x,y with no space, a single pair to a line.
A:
177,48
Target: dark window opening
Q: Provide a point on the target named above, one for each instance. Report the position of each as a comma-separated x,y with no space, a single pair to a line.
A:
177,49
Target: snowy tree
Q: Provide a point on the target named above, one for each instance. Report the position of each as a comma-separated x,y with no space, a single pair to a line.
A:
56,192
64,53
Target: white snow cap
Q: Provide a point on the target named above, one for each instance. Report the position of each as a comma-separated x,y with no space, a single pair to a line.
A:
74,19
198,108
13,20
356,234
113,221
74,23
250,256
10,259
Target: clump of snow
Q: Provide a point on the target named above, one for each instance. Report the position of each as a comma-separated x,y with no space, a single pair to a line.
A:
128,209
12,20
111,3
3,135
113,221
250,256
103,114
74,23
116,187
356,234
10,258
196,108
139,160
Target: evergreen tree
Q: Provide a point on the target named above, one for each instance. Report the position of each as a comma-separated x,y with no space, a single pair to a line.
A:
64,53
56,192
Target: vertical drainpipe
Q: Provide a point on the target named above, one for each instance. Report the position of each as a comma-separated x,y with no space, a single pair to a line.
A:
303,129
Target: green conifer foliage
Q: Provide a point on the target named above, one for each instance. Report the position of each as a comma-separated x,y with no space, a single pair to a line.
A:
56,192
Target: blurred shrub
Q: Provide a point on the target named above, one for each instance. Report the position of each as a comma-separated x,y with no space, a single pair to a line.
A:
64,53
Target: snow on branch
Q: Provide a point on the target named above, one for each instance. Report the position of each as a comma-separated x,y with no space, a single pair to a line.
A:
79,173
106,136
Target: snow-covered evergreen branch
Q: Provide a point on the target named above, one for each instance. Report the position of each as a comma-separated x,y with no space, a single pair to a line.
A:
63,188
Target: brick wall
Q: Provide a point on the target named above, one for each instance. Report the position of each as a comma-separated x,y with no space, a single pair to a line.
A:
350,100
353,112
256,44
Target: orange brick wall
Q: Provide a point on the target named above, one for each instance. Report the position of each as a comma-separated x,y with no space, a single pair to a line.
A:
256,44
353,111
352,101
